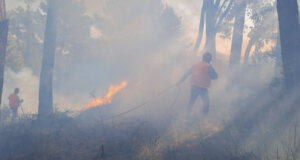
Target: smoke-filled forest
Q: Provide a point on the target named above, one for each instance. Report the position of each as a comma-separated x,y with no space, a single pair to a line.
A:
149,80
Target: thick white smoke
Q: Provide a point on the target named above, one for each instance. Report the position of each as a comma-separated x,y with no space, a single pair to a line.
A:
28,85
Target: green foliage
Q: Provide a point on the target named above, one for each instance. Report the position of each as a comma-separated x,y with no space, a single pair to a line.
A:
27,26
14,57
263,29
263,58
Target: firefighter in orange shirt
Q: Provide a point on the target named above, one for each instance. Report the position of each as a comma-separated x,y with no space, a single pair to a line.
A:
14,103
201,75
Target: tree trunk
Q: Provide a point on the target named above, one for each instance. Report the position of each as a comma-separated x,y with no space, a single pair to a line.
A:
289,37
3,43
210,44
209,12
2,10
46,77
238,32
248,50
201,26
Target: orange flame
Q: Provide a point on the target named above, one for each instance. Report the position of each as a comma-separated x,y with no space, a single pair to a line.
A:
113,89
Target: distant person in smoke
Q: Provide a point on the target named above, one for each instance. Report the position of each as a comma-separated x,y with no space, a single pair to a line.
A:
14,103
201,75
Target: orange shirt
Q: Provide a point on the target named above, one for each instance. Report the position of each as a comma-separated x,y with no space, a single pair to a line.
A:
200,77
14,101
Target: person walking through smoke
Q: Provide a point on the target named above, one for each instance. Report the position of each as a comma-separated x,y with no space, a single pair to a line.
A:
201,75
14,103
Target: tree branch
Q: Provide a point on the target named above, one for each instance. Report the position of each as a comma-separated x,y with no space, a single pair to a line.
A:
217,3
224,14
248,49
220,9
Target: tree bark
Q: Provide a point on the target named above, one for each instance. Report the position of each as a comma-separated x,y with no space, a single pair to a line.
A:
210,44
2,10
3,43
201,26
248,50
46,77
238,32
290,43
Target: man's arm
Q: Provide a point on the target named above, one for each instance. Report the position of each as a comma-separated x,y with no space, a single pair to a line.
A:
19,100
212,73
184,77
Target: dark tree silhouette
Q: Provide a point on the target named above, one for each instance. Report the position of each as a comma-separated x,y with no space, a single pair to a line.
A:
238,32
288,18
46,77
3,42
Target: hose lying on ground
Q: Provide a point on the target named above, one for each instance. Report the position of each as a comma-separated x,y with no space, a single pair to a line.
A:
147,102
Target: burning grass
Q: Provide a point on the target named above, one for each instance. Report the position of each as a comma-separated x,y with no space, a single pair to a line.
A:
99,101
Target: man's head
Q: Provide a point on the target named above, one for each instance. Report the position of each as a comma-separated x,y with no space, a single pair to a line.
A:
16,90
207,57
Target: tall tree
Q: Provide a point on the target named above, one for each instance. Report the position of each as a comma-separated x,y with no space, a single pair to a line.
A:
288,18
238,33
210,43
201,26
3,42
212,15
46,77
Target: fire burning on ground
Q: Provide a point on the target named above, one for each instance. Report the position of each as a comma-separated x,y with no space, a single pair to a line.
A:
113,89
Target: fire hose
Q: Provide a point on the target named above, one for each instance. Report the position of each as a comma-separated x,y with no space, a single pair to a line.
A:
148,101
21,106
